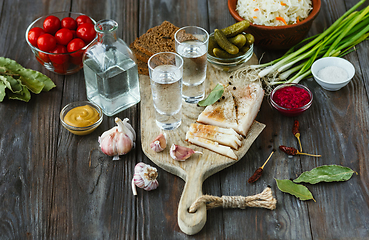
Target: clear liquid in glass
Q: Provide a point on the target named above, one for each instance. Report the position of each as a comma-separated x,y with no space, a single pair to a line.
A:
166,88
194,70
115,88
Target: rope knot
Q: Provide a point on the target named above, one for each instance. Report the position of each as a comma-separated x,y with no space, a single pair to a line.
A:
264,199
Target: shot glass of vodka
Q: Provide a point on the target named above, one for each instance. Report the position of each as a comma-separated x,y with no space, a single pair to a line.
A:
192,45
166,70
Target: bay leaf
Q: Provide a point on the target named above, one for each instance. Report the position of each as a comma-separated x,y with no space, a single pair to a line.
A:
325,173
214,96
297,190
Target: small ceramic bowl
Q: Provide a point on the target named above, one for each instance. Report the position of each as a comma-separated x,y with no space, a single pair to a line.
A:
60,63
332,80
230,64
278,37
297,99
81,130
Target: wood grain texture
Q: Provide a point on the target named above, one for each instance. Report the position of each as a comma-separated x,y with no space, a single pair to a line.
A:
55,185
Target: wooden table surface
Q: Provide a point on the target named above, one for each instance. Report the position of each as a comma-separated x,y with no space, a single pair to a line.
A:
55,185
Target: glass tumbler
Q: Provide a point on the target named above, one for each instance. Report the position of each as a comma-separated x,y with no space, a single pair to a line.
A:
192,44
166,70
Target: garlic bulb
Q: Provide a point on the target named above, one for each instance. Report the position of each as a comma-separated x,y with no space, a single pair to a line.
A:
159,143
180,153
119,140
144,177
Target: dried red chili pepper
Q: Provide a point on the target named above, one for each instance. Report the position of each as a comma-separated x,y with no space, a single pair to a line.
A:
256,175
295,129
296,132
259,171
293,151
289,150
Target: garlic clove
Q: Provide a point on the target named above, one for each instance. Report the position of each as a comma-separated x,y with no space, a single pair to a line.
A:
181,153
159,143
144,177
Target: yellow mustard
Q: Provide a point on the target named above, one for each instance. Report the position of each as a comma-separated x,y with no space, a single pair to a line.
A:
82,116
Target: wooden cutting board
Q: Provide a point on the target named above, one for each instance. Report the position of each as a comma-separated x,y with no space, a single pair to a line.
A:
198,167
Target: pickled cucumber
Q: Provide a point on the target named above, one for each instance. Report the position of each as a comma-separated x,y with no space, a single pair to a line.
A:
212,44
239,40
244,49
220,53
250,39
236,28
224,43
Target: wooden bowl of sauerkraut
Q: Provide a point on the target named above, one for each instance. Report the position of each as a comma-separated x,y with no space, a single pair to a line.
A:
276,24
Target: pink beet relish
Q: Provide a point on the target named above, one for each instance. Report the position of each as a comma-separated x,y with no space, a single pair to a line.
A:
291,99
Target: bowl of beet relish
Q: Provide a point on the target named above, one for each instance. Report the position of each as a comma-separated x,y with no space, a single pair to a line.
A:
291,99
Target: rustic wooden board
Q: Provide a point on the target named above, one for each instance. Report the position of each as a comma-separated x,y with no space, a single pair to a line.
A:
196,169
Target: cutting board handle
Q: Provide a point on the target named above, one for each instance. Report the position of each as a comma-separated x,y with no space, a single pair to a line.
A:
191,223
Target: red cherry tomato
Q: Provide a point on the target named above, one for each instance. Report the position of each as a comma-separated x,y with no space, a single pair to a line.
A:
86,32
59,58
63,36
46,42
77,60
33,34
74,45
83,19
51,24
42,57
69,23
61,68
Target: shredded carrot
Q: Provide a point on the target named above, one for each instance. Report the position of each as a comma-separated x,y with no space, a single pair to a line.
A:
255,17
256,9
297,19
281,19
283,4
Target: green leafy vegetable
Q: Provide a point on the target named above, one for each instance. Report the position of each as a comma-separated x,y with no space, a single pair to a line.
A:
12,84
24,95
19,80
215,94
2,91
297,190
326,173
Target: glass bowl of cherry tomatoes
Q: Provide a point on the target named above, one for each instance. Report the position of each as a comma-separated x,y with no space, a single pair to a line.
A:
59,40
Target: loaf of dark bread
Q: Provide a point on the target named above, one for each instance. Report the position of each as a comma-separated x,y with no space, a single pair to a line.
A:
157,39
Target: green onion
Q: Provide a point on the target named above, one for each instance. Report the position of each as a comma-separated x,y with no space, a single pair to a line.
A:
338,40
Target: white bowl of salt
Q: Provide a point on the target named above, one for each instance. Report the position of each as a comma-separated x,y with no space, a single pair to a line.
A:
332,73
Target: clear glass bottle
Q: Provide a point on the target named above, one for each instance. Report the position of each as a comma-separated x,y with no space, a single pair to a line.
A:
110,70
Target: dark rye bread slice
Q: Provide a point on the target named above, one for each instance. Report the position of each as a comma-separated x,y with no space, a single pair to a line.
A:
141,65
157,39
142,68
139,55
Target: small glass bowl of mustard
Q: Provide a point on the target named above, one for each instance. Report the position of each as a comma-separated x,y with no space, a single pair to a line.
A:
81,118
